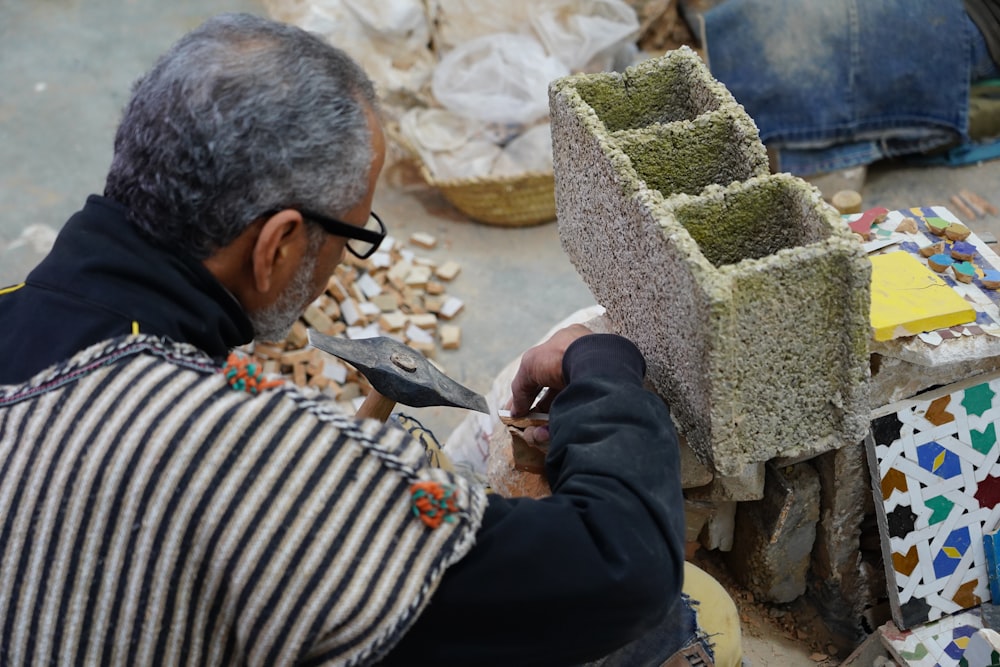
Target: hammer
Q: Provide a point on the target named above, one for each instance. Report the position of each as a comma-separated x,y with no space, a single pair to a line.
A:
398,374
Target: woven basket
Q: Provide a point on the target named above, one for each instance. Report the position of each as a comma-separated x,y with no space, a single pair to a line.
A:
513,201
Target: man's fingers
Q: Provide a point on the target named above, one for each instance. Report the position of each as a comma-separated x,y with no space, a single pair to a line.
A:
541,366
524,390
536,435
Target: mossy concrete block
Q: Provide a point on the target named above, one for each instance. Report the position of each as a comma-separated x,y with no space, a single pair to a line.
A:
744,290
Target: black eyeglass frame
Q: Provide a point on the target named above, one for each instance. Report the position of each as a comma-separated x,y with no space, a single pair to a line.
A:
343,229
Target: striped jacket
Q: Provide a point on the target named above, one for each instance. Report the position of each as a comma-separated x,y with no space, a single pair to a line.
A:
150,514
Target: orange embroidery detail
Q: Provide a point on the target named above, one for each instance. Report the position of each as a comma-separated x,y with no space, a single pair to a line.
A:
434,502
245,375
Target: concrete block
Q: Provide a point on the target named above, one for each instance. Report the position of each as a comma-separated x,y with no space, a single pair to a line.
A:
745,292
774,536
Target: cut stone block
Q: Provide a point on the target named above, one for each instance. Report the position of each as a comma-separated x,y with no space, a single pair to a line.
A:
748,485
839,584
717,531
744,291
774,536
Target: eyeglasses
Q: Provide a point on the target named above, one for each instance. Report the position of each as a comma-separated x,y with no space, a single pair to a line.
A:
361,241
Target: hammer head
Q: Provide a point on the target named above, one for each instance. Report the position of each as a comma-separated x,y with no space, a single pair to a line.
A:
399,372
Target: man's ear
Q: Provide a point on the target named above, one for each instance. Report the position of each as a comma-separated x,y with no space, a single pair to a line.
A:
274,253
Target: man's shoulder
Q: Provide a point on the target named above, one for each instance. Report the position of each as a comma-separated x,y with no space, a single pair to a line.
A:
106,355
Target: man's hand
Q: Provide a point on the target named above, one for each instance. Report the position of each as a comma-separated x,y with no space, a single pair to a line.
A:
541,367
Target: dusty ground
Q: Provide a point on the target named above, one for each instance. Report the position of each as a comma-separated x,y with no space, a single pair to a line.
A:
789,635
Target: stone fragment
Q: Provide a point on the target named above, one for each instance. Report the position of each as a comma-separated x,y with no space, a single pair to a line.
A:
299,335
418,276
451,307
774,536
393,321
451,336
424,320
418,336
747,484
369,310
423,239
717,533
349,311
386,302
840,587
448,270
368,286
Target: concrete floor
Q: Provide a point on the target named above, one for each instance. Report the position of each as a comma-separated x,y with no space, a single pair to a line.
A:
66,67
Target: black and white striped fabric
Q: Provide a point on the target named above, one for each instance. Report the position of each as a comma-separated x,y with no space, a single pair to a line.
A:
150,514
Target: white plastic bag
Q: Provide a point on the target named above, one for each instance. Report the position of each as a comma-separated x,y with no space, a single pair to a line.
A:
400,25
473,160
585,34
449,145
501,78
530,152
389,39
457,21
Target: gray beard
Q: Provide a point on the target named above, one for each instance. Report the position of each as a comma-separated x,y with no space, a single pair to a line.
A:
275,322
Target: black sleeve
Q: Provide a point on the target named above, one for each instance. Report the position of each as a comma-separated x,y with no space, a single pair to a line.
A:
573,576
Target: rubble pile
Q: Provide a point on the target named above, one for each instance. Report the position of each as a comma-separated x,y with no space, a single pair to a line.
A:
396,292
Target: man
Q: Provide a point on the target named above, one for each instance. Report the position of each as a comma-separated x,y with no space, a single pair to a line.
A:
154,511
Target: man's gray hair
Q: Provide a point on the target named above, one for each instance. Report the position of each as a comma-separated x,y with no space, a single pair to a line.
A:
241,116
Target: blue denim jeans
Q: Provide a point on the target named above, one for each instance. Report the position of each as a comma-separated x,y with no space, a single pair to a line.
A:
678,631
833,84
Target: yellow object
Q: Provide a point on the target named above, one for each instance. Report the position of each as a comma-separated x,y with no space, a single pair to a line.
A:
908,298
717,615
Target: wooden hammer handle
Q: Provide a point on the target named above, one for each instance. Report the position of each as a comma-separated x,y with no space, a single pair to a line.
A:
376,406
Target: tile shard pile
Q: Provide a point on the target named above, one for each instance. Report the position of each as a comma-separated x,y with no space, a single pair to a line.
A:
396,292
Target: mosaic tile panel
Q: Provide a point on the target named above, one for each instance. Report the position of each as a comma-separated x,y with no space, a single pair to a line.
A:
934,463
939,644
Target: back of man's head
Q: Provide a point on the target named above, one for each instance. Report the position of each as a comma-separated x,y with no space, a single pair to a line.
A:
241,116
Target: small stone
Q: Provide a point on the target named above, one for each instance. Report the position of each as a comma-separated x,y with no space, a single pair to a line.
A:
451,307
451,337
907,226
846,202
423,239
448,270
368,286
418,276
393,321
